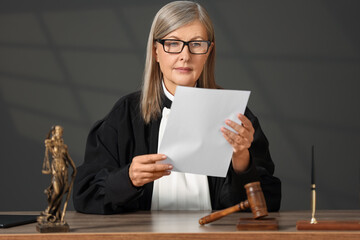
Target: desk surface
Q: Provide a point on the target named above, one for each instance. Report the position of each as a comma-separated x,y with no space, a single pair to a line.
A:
181,225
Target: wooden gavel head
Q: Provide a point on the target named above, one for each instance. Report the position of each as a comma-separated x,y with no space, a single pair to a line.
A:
256,200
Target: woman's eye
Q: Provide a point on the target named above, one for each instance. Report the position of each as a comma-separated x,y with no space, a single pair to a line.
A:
196,44
172,44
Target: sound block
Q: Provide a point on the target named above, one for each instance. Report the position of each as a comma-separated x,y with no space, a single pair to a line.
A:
250,224
52,227
329,225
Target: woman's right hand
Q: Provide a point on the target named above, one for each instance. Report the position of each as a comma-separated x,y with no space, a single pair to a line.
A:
144,169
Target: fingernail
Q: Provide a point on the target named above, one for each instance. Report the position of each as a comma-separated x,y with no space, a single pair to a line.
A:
227,121
163,157
170,167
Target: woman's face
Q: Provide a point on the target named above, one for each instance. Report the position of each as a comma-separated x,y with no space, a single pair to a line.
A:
182,69
58,132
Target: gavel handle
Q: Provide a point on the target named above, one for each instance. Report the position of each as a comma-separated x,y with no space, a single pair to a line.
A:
219,214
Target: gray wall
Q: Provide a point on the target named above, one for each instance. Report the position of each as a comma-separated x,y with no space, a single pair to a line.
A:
67,62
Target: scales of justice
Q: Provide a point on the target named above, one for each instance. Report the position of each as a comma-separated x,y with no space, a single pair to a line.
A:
52,218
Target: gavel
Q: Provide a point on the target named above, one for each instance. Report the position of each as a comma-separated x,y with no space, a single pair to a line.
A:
256,202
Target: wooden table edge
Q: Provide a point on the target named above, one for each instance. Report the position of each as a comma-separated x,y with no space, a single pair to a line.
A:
251,235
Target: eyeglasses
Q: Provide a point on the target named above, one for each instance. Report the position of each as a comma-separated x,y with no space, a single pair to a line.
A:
176,46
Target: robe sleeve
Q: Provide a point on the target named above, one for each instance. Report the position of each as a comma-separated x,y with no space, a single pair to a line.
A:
226,192
102,185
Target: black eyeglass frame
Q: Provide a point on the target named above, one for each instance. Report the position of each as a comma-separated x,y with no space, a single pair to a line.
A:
162,42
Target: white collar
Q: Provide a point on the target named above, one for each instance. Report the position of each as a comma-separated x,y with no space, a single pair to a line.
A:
167,93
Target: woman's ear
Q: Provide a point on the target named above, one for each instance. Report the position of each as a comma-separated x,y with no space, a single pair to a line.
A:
155,53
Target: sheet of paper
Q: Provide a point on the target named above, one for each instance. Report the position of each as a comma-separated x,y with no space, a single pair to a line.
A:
192,139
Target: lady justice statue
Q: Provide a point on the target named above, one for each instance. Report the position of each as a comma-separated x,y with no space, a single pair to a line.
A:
52,218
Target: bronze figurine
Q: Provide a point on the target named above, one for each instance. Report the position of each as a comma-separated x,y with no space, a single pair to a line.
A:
52,218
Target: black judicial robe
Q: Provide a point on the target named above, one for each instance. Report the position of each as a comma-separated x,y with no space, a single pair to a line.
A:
103,186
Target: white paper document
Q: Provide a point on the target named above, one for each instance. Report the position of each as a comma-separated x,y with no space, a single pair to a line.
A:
192,140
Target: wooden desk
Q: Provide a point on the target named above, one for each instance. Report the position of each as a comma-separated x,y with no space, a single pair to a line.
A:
181,225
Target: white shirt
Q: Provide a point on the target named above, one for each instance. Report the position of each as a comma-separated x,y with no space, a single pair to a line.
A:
179,191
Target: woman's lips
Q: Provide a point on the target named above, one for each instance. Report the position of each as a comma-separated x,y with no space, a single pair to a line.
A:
183,69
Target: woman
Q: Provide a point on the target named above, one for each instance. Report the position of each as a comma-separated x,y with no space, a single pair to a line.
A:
122,170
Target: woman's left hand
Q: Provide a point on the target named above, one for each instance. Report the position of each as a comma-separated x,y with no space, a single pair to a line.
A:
240,141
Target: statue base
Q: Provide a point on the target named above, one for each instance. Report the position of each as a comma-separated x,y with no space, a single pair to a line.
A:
52,227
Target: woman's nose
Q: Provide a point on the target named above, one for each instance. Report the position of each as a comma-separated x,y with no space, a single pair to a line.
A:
185,53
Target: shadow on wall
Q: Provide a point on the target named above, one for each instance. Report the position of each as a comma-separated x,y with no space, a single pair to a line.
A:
63,65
